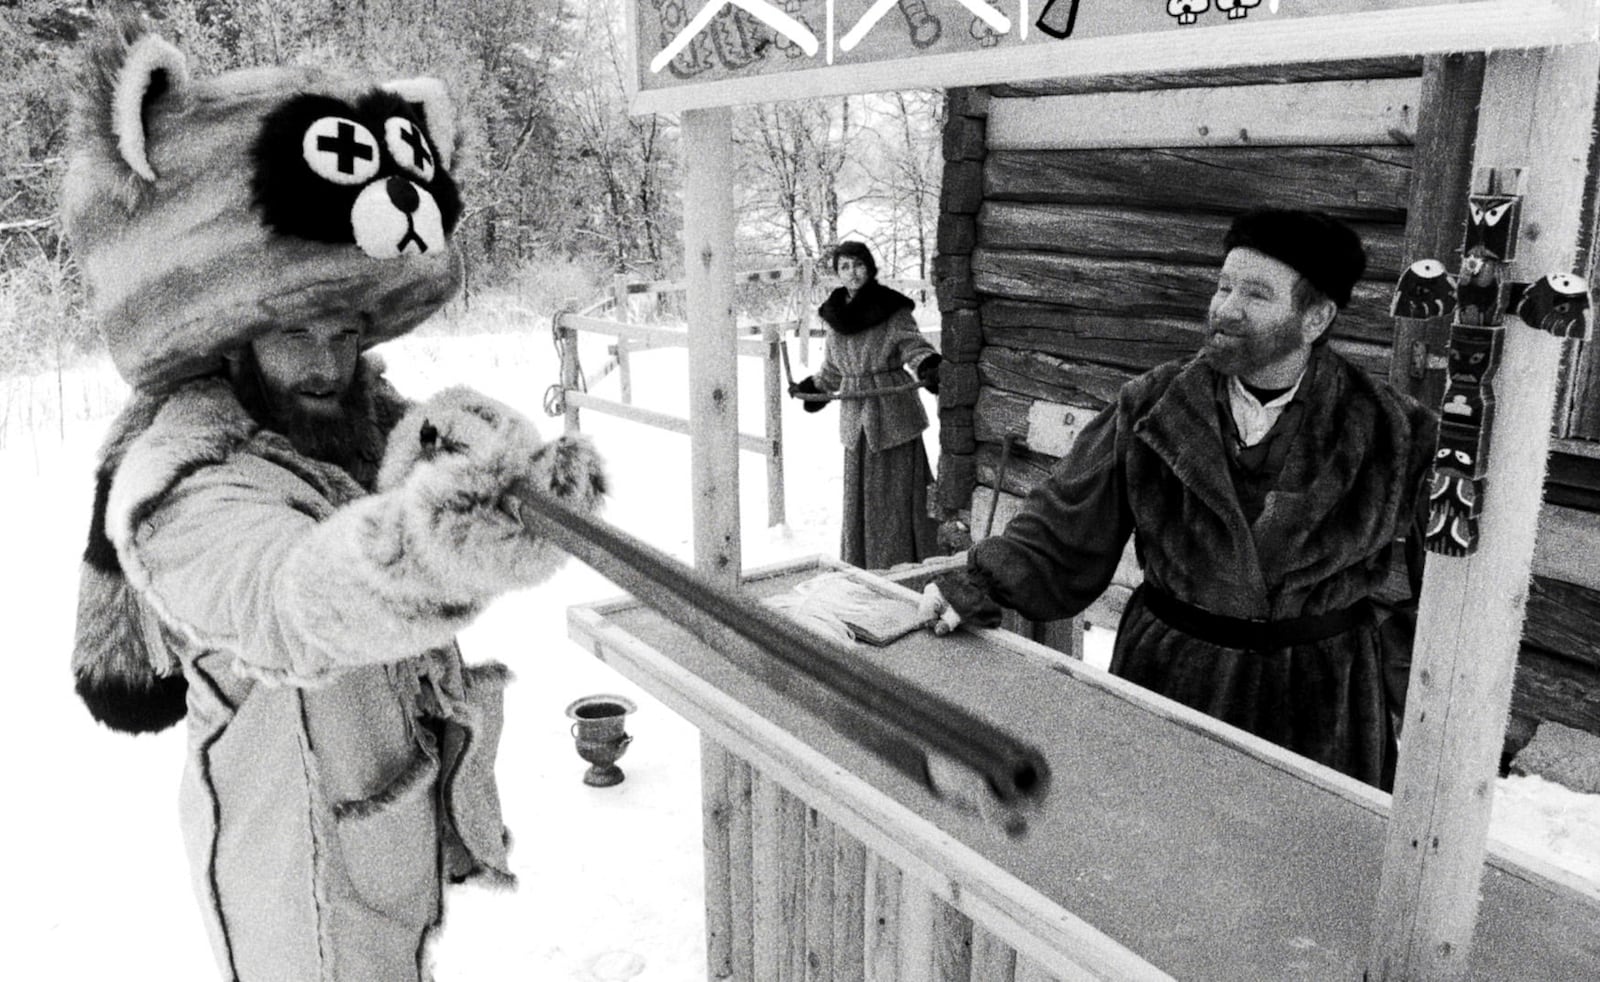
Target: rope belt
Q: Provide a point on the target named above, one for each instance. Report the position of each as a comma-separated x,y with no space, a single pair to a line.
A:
1250,634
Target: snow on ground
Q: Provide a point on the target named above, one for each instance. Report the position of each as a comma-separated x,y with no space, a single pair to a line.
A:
610,878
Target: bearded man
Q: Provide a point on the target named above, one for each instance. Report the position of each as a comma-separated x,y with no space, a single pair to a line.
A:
283,549
1265,482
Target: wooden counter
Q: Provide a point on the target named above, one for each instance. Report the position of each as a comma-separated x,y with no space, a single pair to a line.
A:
1169,845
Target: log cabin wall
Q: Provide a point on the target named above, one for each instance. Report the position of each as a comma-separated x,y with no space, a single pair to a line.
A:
1079,238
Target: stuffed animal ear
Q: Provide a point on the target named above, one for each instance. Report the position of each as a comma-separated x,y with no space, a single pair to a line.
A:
438,111
153,69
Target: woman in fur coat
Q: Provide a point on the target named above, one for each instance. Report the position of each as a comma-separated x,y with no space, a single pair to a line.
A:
872,340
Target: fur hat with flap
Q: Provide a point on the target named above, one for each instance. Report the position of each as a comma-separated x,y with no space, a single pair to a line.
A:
203,212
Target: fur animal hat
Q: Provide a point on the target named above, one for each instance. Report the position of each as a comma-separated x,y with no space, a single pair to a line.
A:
205,211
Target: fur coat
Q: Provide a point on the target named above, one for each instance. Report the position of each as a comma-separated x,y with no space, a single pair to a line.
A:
1154,465
340,763
876,358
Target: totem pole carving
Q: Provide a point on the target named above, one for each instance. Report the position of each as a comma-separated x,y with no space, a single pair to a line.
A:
1455,490
1477,335
1557,304
1479,297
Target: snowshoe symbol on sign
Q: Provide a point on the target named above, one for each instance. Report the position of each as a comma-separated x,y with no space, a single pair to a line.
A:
762,10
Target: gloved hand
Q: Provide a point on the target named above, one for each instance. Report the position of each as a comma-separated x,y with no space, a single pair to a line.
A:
928,372
808,386
933,607
451,464
961,597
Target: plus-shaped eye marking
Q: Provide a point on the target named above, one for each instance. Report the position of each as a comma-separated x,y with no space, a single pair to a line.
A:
409,147
419,150
340,150
346,147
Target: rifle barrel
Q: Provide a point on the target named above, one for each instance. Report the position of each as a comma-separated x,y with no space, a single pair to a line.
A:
956,755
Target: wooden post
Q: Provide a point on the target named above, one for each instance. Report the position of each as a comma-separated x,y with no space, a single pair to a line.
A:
917,936
952,944
708,224
791,863
992,959
766,895
619,296
1538,113
713,442
1447,122
1029,970
741,878
882,951
716,808
849,907
819,898
773,396
571,374
808,307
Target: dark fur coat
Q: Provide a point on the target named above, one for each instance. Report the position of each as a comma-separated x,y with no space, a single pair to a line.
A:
1154,465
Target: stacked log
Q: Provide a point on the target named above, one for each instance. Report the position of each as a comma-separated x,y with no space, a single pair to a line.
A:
961,195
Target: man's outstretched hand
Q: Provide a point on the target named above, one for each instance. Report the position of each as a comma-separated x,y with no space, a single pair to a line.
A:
935,609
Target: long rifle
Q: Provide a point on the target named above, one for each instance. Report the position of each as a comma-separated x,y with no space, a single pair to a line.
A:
959,757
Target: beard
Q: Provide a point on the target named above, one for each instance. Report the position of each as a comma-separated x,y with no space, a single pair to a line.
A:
344,435
1244,355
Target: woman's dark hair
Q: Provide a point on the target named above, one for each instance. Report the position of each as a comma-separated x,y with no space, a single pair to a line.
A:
857,251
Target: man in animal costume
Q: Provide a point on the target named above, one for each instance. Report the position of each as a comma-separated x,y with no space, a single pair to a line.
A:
1265,482
283,550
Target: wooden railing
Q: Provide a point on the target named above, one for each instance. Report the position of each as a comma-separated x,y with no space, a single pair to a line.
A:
612,317
761,339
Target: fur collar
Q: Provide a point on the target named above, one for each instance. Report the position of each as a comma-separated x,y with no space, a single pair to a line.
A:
1356,434
873,304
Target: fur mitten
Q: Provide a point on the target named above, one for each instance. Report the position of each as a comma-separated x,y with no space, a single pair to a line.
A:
808,387
452,460
401,571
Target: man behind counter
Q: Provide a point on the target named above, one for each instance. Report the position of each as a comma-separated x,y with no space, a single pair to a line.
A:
1265,481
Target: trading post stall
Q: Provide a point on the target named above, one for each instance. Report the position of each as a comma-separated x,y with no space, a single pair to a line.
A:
1080,234
1162,844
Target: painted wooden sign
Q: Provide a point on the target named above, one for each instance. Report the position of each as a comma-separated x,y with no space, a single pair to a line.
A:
701,53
